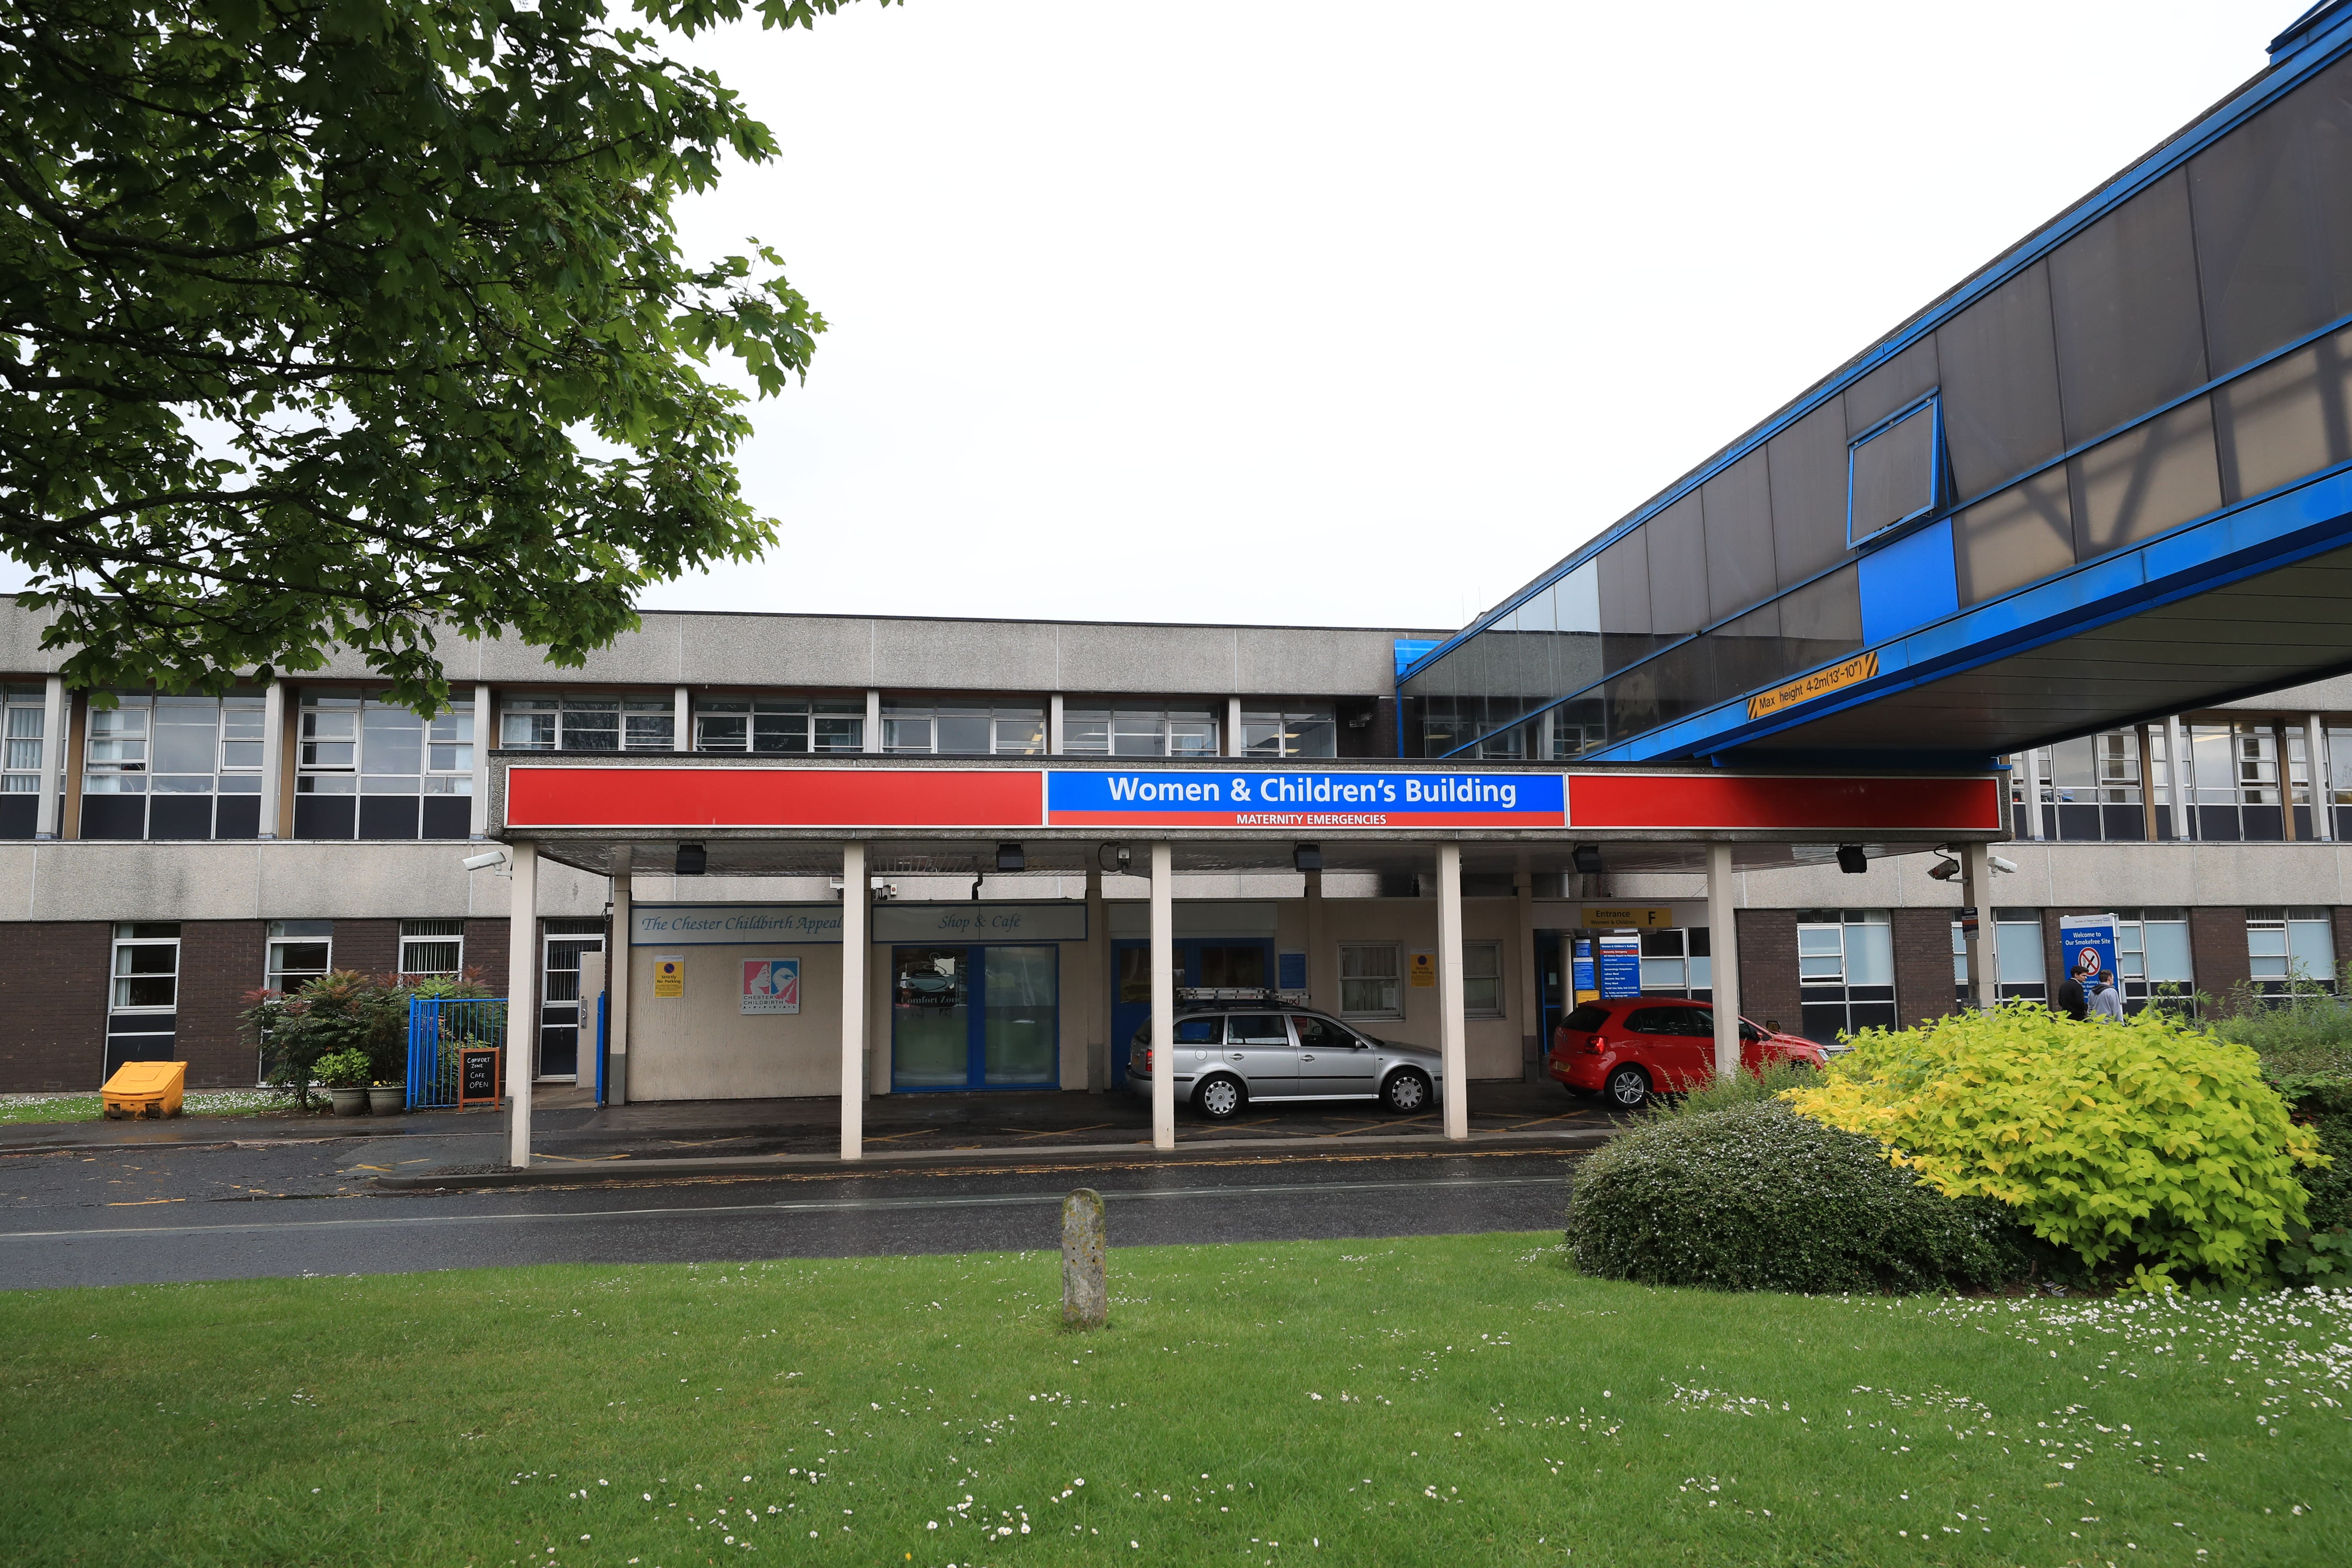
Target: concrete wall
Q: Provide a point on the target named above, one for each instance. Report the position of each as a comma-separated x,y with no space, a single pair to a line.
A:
701,1046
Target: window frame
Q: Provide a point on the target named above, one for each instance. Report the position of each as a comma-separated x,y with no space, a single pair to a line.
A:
1283,724
1939,482
409,937
2284,919
631,712
278,935
14,701
1393,980
1471,1009
121,943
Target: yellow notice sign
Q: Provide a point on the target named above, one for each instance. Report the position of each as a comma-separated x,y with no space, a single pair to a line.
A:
1424,968
1821,683
1594,919
669,975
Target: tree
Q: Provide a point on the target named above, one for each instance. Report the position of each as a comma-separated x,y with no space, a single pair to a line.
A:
347,321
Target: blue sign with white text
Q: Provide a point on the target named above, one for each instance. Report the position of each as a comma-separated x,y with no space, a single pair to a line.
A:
1621,965
1299,799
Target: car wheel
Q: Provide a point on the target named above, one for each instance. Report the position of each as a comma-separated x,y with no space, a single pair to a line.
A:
1220,1099
1405,1092
1628,1088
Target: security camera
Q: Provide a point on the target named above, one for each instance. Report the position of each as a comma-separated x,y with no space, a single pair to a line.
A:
486,860
1943,870
2000,865
1115,857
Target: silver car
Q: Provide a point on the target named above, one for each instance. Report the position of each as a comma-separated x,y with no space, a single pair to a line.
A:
1228,1056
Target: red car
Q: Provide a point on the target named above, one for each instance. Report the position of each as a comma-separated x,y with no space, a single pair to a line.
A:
1629,1048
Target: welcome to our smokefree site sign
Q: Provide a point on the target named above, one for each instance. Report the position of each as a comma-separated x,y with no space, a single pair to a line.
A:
1305,800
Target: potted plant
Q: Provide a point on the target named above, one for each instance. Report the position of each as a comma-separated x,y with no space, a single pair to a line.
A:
345,1074
387,1099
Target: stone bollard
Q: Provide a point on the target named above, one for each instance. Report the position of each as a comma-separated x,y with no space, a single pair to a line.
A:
1086,1295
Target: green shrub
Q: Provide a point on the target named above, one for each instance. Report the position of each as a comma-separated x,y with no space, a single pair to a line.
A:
344,1069
1775,1077
1757,1197
2140,1145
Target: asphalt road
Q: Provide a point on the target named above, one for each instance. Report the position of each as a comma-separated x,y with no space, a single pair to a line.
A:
151,1216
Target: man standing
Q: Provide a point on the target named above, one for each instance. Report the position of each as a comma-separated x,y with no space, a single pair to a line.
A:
2106,999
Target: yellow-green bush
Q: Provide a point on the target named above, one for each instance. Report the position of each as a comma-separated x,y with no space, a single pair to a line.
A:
2138,1144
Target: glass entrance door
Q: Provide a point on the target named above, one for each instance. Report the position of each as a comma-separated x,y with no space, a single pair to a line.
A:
975,1017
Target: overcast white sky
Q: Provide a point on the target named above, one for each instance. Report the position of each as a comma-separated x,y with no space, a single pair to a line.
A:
1353,311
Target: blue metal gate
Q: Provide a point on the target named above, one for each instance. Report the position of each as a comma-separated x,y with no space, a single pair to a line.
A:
438,1027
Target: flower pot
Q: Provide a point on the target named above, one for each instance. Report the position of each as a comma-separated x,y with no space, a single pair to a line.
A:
387,1100
350,1101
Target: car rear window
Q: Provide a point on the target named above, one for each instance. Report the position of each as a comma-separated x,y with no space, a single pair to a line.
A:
1197,1031
1663,1021
1587,1019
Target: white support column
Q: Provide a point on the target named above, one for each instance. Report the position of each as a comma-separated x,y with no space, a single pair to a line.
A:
2177,773
617,981
1531,968
1233,727
1723,963
855,899
873,720
1453,1001
1054,725
681,724
1163,996
1099,1045
54,714
486,735
1984,951
2033,770
522,999
273,755
1315,995
2316,768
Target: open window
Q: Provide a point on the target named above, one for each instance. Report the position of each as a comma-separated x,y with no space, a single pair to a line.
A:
1896,470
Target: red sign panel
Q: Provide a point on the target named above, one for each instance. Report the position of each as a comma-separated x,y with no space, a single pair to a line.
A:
772,797
1729,801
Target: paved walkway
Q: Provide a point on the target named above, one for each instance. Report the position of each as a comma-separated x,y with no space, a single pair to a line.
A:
571,1131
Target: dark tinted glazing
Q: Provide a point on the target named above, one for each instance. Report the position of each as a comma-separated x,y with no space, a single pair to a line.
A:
2023,533
2001,385
1678,567
2285,420
1738,504
2151,478
2123,298
1807,470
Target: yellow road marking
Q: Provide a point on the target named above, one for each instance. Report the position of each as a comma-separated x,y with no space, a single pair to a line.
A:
141,1203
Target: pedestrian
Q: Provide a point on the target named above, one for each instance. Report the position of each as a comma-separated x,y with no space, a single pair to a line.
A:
2107,1001
2074,999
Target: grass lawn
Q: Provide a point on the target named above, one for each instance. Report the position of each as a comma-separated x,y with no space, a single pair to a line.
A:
1450,1401
15,1109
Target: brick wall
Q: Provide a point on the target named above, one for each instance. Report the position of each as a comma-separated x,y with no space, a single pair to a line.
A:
370,947
2342,919
486,953
1767,967
1923,964
220,963
2217,951
53,999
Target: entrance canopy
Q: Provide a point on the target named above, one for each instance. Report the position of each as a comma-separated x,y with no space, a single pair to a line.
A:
789,816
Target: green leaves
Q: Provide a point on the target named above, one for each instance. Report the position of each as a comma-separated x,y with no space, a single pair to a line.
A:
304,310
2140,1144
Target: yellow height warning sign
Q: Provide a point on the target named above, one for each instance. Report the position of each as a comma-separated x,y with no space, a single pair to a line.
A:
669,975
1821,683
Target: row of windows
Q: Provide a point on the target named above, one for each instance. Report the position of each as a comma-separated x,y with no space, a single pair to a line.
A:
804,725
2234,257
1372,980
2243,780
146,965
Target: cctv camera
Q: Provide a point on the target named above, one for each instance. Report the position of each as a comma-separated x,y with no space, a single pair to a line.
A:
485,860
2000,865
1943,870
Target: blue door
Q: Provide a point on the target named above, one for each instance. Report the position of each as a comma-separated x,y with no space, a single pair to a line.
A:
1199,961
975,1017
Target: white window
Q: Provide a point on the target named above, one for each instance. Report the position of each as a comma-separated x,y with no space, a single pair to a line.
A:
300,951
432,947
1845,971
1675,962
964,729
358,743
2024,968
1139,732
2152,956
146,967
1310,729
592,724
1481,978
22,734
1372,980
2290,948
782,725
